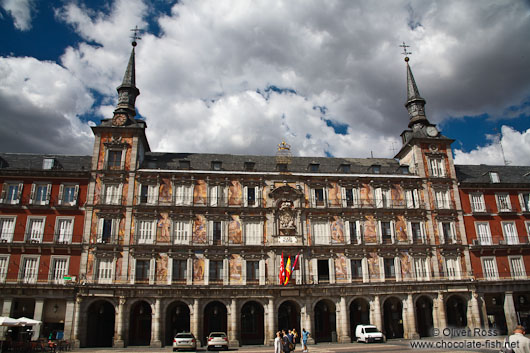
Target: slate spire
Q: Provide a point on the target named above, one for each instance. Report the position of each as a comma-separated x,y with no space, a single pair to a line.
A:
127,91
415,103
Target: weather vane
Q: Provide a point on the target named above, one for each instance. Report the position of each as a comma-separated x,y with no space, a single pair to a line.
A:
135,36
405,52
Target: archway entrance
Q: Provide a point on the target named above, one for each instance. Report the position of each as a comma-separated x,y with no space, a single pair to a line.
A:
100,324
456,309
289,316
393,318
215,319
424,321
359,315
252,329
140,324
177,320
325,321
495,312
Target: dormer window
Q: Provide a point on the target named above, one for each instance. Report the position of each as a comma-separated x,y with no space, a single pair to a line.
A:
114,159
313,167
282,167
48,163
216,165
376,169
184,164
345,168
249,166
404,169
494,177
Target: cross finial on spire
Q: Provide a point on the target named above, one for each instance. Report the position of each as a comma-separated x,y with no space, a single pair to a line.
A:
135,36
405,51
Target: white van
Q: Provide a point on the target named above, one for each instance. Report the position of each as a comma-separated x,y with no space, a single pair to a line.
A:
368,333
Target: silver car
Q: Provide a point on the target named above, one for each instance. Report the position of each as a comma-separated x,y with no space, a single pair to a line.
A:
217,340
184,340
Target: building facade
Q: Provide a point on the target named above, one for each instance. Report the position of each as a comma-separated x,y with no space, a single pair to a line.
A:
177,242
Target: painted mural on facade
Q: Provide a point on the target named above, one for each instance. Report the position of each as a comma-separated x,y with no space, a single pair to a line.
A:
161,268
370,229
341,268
198,270
235,230
374,267
401,230
337,230
163,229
165,192
90,264
406,265
235,193
334,195
367,196
119,263
236,272
199,229
200,192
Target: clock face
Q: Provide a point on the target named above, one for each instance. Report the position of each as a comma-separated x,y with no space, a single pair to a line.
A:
119,120
432,131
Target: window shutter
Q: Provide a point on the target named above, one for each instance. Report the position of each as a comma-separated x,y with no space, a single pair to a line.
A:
378,198
343,196
381,269
409,232
3,195
123,155
153,232
213,196
257,199
76,194
315,270
210,232
48,193
60,197
358,230
397,265
356,197
225,271
206,271
410,201
364,266
331,271
152,268
453,232
313,198
392,232
441,235
379,233
245,196
262,272
422,230
347,236
32,194
118,199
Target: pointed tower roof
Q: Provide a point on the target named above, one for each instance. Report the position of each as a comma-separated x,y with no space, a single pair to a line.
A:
127,91
415,103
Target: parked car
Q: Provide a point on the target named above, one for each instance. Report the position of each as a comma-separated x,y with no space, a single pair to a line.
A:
184,340
217,340
368,333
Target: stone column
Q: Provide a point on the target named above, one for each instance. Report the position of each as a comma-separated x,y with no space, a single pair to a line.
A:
194,322
270,314
68,319
483,311
409,319
344,322
233,325
77,322
474,313
309,320
376,313
440,312
6,311
155,325
118,337
37,315
509,312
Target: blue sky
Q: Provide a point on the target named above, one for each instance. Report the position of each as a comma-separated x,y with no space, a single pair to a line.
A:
233,78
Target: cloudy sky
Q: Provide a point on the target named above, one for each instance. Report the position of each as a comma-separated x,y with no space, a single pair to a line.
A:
238,76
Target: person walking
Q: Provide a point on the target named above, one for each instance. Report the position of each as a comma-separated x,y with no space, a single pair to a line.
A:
519,342
295,337
286,342
278,343
305,336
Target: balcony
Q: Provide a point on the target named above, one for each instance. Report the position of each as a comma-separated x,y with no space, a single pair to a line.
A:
106,239
369,203
221,201
498,240
504,210
481,210
110,199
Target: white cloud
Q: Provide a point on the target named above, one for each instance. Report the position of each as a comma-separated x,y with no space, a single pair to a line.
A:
515,144
20,10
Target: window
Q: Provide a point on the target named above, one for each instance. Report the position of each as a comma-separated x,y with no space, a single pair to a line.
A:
321,233
250,196
524,199
350,197
181,232
318,197
442,199
356,269
179,270
114,160
184,195
11,193
477,202
149,194
142,271
253,233
483,233
112,195
354,228
510,233
47,163
323,271
146,231
376,169
184,164
7,228
249,166
68,195
40,194
216,165
313,167
417,232
413,198
216,195
421,269
503,202
452,268
489,267
437,167
29,269
215,271
447,232
4,263
63,230
404,169
35,230
108,228
58,270
517,267
527,226
345,168
104,271
494,177
386,232
252,271
382,198
282,167
390,268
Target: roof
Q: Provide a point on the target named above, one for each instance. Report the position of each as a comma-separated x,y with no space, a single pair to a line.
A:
479,174
35,162
232,162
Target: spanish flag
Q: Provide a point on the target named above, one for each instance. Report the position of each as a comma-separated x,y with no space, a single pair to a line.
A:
288,270
282,271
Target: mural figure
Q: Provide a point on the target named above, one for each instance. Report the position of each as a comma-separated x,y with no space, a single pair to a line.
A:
398,196
199,193
161,269
373,266
341,272
236,273
164,226
235,193
198,270
401,230
367,198
235,233
406,265
337,231
165,191
199,230
335,195
370,230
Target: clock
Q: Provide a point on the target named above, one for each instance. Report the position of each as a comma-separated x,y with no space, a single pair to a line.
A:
119,120
432,131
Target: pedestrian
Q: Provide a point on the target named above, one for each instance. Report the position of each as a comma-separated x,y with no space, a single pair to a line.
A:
305,335
286,343
278,343
295,337
518,341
